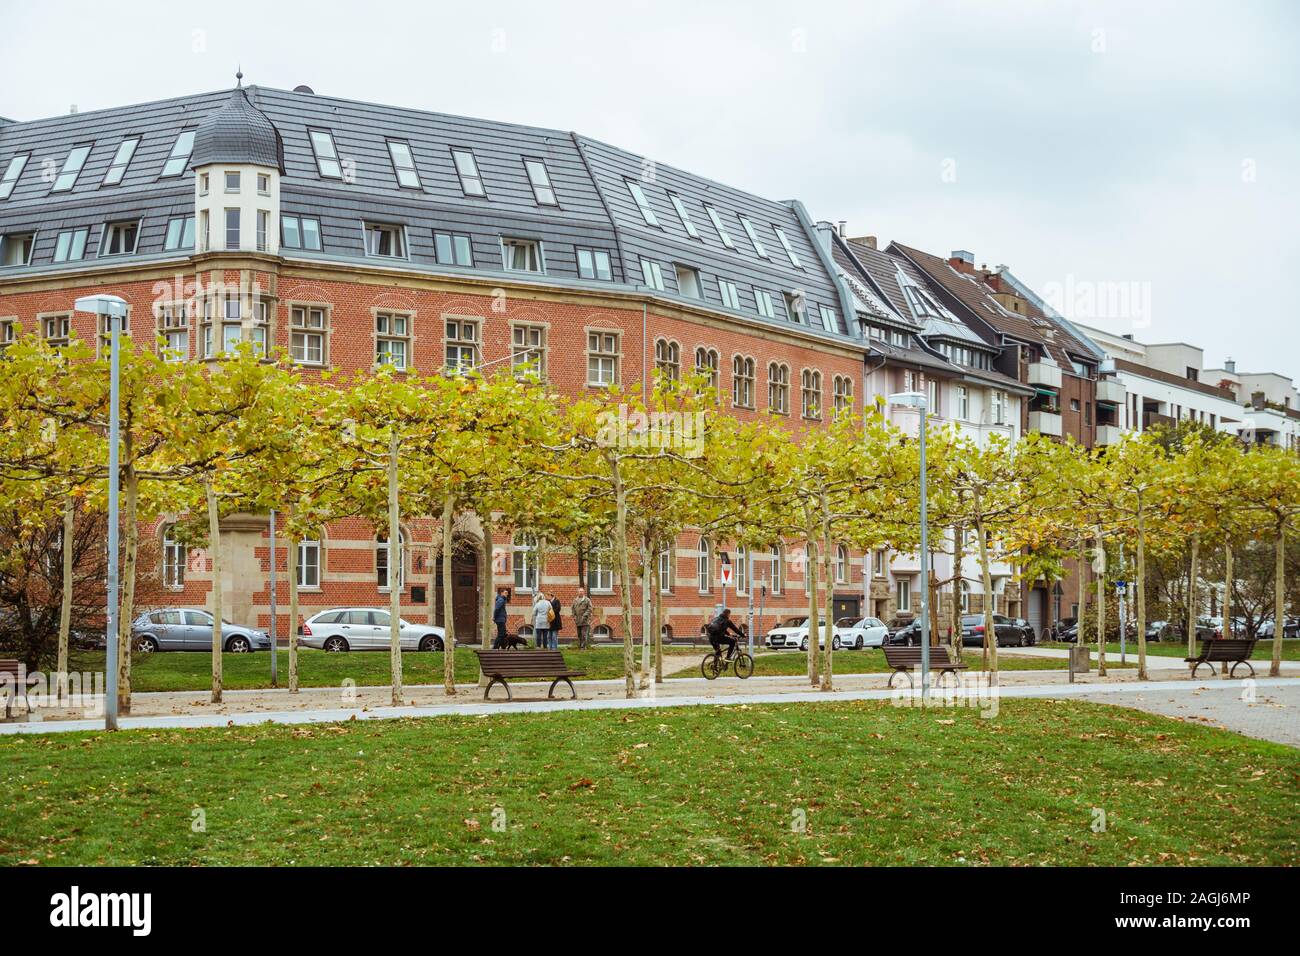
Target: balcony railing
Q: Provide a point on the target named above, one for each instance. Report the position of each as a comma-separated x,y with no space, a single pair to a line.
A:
1048,376
1108,434
1111,391
1049,423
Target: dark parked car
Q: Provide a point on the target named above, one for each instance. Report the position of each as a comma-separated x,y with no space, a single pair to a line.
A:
1008,634
907,633
1018,622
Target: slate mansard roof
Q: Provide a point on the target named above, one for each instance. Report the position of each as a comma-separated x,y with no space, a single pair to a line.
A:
594,208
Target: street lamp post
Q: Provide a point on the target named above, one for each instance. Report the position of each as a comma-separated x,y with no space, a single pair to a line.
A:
919,401
275,677
114,309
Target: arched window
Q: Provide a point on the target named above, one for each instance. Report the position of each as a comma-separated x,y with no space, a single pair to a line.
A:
778,388
523,547
778,570
742,382
841,565
381,561
706,363
175,556
600,567
704,566
668,359
843,396
812,393
741,570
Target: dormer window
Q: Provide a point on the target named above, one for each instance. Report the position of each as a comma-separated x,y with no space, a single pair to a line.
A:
594,264
541,182
327,157
522,255
471,181
180,234
70,245
120,238
688,281
12,172
71,168
408,177
121,159
717,224
180,154
16,249
795,306
300,232
385,241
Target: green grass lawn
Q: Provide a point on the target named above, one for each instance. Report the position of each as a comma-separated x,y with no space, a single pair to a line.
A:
180,670
1263,650
701,785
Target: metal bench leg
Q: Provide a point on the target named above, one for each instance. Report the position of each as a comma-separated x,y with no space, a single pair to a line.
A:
550,694
1197,666
497,680
1233,672
904,671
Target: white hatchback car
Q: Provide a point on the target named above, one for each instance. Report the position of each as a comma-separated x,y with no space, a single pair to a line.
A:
366,629
864,632
793,633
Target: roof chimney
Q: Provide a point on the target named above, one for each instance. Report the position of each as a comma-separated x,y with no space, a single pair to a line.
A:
964,255
843,228
1230,366
868,241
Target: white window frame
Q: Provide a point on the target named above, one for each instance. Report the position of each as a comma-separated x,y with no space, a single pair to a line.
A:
600,358
381,552
642,202
716,219
326,152
309,558
175,560
539,177
467,171
704,566
179,157
523,561
121,161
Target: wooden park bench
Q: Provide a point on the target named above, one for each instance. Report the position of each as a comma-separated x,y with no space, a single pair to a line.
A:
16,680
503,666
1236,651
905,659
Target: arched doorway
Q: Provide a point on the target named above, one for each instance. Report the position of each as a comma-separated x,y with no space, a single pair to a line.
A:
467,541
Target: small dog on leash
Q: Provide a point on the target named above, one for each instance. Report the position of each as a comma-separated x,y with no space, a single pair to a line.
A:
514,642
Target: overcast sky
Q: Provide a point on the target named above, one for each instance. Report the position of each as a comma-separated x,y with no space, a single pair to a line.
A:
1138,161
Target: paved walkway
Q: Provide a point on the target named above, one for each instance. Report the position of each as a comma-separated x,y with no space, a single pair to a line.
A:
321,705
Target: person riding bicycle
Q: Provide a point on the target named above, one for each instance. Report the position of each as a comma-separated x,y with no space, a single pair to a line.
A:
719,630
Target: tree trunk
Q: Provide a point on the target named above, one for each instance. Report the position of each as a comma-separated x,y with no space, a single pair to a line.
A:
1101,612
126,612
395,569
448,609
65,603
656,587
489,590
214,550
828,609
293,613
1191,597
990,630
646,624
954,611
624,576
581,553
1141,595
1229,575
1279,599
813,674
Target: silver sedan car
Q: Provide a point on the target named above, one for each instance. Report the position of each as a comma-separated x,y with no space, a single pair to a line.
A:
365,629
190,629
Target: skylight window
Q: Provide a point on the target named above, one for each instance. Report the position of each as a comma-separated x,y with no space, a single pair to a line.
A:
180,154
71,167
685,216
471,181
830,322
717,224
121,159
119,238
730,297
180,234
653,274
763,299
541,182
642,203
785,244
327,157
408,176
753,237
453,249
12,172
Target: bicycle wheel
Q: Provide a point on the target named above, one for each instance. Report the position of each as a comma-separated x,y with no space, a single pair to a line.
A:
743,665
710,666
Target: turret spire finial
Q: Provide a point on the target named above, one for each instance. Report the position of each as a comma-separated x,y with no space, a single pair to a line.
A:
239,76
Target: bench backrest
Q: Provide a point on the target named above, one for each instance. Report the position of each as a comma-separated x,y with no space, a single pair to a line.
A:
10,666
522,663
940,656
1227,649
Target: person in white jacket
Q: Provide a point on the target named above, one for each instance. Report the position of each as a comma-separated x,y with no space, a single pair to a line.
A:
542,611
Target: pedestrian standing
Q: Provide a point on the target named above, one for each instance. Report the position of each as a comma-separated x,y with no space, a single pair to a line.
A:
557,625
499,619
582,612
542,614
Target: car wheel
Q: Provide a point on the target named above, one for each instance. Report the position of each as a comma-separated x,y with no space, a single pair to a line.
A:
335,645
836,643
431,643
238,645
912,641
145,644
862,642
803,645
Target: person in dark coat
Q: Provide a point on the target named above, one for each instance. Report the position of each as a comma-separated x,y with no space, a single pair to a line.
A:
499,619
557,625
